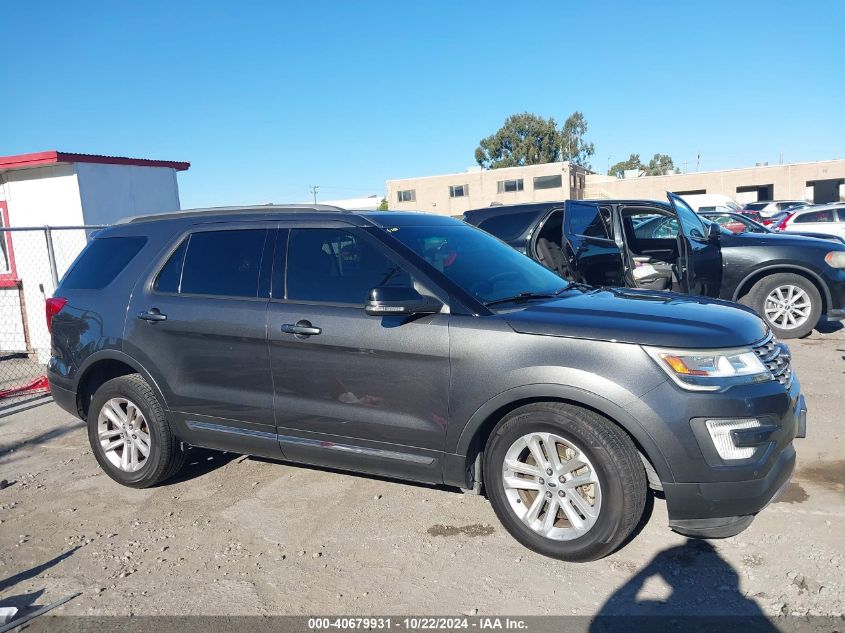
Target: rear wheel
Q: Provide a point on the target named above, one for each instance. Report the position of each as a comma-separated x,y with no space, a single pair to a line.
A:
564,481
130,435
789,303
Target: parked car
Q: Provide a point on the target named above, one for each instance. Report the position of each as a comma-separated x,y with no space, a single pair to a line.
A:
699,202
633,243
738,223
415,346
768,208
827,219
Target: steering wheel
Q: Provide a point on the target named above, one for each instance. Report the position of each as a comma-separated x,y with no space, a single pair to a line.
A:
487,284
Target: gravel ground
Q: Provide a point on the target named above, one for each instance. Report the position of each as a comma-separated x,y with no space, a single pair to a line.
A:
236,535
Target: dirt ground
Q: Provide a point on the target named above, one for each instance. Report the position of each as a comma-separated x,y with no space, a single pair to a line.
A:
236,535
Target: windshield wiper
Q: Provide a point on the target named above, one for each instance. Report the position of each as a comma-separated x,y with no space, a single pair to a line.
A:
575,285
522,296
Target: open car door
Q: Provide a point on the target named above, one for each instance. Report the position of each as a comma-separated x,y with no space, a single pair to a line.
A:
589,247
701,254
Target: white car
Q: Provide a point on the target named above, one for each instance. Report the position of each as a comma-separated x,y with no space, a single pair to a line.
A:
769,208
827,219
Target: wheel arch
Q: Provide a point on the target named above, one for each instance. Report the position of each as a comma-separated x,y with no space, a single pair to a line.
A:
104,366
474,436
744,287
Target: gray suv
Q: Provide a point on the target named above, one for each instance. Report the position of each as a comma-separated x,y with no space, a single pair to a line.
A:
414,346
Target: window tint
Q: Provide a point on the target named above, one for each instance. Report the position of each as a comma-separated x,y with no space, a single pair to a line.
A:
223,263
170,275
102,261
815,216
756,206
480,264
337,266
508,226
548,182
589,220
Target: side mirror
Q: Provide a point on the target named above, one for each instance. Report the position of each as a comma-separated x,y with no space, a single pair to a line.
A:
399,301
714,232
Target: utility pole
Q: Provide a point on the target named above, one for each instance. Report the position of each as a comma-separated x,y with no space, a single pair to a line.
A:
313,190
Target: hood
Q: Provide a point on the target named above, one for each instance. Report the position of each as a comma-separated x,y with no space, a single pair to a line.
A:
641,317
779,239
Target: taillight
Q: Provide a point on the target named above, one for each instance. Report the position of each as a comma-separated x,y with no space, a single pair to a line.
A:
53,306
782,224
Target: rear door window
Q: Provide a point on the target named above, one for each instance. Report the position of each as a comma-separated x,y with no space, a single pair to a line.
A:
102,261
589,220
220,263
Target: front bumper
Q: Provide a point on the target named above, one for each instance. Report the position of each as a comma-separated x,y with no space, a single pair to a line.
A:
706,496
733,503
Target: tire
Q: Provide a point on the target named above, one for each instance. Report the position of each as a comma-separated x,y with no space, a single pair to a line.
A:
612,461
113,414
758,300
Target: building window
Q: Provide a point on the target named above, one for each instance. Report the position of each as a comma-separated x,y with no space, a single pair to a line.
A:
548,182
8,276
509,186
458,191
408,195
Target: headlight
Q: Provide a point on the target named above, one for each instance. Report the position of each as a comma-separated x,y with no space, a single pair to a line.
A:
836,259
710,369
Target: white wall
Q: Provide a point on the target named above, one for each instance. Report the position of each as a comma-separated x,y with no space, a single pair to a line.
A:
37,197
113,192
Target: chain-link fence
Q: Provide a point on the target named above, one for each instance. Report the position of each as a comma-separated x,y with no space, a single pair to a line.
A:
32,260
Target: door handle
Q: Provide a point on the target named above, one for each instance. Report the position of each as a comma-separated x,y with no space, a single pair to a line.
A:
302,329
152,315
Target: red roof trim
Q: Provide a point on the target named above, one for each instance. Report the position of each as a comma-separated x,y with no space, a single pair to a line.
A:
53,157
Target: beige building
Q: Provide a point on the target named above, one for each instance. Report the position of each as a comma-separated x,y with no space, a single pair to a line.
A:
452,194
820,181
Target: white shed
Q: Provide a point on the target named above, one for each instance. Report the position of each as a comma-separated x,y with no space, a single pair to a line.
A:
61,189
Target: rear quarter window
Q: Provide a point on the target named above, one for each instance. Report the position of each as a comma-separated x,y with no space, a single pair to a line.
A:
101,262
508,226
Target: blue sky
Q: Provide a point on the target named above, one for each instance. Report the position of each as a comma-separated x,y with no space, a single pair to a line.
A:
267,98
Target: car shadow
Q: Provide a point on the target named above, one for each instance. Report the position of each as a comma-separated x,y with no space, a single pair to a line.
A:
687,585
826,326
360,475
199,462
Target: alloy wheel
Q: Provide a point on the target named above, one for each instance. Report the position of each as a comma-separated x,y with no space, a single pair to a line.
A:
124,434
788,307
551,486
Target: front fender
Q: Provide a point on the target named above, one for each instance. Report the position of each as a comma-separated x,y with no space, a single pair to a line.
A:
615,410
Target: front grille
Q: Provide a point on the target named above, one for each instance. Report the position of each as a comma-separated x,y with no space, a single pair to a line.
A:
776,357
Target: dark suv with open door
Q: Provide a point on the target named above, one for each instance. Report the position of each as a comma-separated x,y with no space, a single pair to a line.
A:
791,281
418,347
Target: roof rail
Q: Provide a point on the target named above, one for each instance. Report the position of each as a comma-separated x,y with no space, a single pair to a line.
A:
256,209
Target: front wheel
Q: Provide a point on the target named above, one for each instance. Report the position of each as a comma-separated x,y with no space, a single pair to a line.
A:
790,304
564,481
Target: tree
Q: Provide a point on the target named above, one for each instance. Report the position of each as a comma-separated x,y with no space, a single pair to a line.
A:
382,206
632,162
660,165
524,139
574,147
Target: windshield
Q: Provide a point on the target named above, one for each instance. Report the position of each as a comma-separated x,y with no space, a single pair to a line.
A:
485,267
